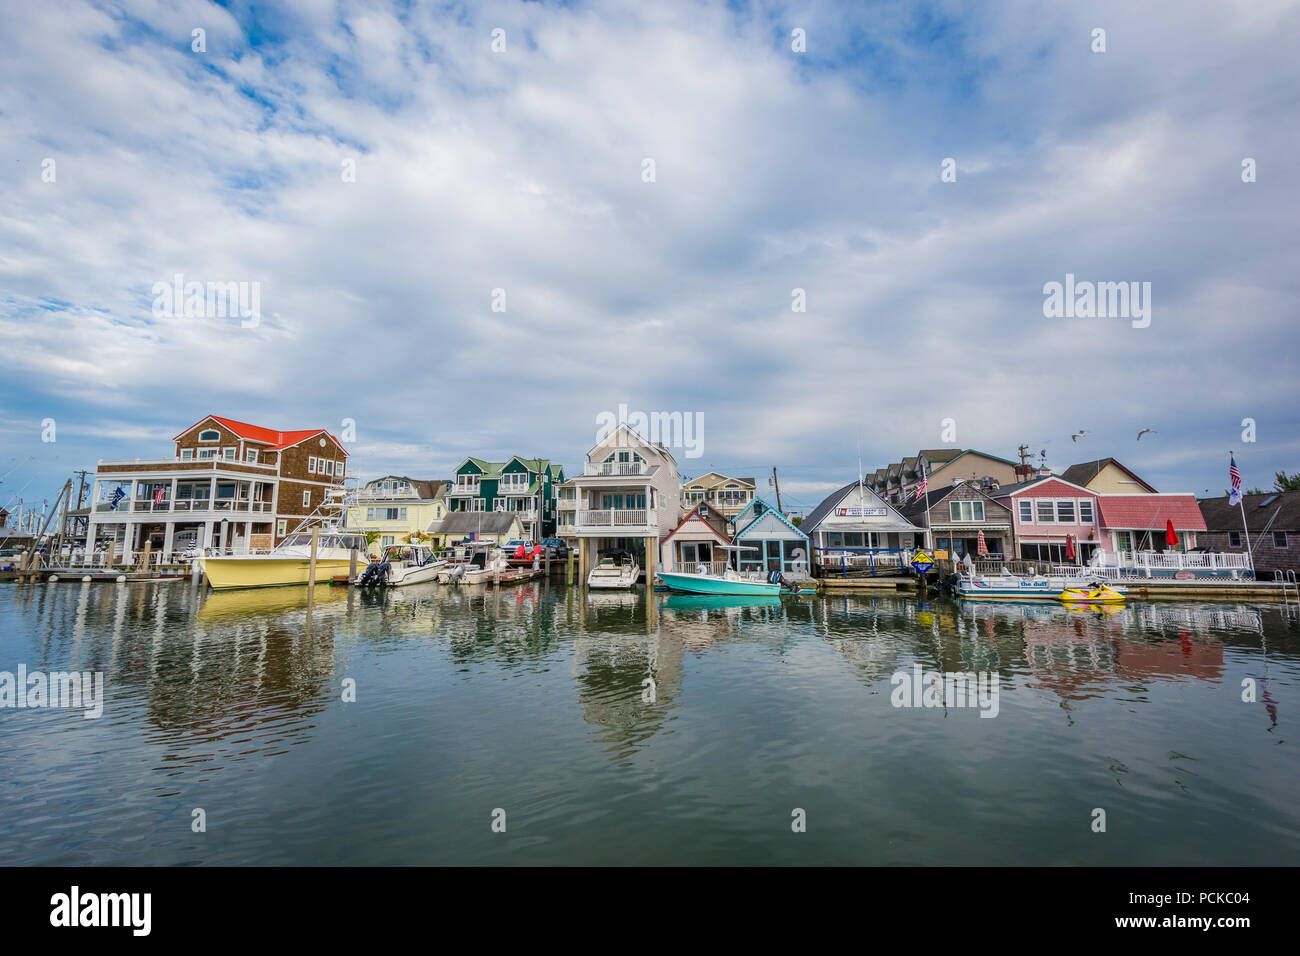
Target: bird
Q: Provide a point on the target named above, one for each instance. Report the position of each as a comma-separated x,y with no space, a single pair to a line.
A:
1145,431
1077,435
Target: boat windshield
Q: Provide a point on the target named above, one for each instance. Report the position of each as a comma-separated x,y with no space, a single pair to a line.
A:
302,539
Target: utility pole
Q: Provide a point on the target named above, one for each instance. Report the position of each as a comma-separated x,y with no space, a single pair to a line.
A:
777,485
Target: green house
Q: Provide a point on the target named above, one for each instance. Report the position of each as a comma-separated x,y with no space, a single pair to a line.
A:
528,487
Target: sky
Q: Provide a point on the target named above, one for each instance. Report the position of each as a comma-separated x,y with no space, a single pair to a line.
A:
446,220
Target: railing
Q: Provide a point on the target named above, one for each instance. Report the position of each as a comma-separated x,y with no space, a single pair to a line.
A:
1173,559
460,489
701,567
616,518
871,561
127,506
616,468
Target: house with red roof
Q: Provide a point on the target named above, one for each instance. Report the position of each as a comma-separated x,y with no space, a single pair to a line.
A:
228,486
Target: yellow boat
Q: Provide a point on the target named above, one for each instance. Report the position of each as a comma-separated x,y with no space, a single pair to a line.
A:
290,563
1098,594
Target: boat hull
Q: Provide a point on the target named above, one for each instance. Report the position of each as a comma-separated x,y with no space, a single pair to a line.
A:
428,574
269,572
710,584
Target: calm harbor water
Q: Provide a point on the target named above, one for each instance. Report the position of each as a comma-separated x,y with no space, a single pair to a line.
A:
531,700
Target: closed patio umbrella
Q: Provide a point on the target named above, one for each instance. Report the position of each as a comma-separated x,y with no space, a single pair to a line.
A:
1171,536
1069,547
981,546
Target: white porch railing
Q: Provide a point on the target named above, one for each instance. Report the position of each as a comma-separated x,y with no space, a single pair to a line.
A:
1178,560
616,518
701,567
615,468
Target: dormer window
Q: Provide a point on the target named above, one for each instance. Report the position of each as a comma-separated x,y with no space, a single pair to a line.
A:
209,434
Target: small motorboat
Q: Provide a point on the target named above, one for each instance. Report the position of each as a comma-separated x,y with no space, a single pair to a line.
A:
615,570
1096,593
402,564
483,564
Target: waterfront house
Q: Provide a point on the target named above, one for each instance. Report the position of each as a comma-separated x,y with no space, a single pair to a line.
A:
628,496
776,543
1106,476
956,516
730,496
487,527
1046,512
1272,521
394,506
528,487
698,541
855,526
897,483
227,485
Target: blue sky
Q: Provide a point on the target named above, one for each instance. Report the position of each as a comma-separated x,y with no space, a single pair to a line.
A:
775,170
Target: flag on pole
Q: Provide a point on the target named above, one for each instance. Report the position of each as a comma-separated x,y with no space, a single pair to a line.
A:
118,495
159,494
920,489
1234,477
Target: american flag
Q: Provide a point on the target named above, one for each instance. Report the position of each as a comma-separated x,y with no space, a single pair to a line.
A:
920,489
1234,476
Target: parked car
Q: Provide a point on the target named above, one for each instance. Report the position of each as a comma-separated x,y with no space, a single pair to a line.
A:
557,546
519,548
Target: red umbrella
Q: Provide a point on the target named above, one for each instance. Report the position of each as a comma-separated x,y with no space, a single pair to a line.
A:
1171,536
1069,547
981,546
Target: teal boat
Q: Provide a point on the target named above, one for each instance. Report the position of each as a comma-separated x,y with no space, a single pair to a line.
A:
728,583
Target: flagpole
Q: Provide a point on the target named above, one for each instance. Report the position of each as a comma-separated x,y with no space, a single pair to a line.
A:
929,537
1241,503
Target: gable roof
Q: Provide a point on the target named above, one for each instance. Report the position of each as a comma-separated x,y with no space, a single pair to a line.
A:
1221,516
820,513
715,522
1150,512
760,508
1005,491
624,431
1084,472
469,522
278,440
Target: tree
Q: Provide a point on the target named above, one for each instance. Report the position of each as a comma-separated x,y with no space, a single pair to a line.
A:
1285,482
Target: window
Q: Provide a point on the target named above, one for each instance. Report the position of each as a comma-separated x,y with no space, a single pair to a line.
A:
338,469
207,453
306,499
1279,539
329,468
311,465
1234,539
281,527
1046,511
187,454
385,514
250,454
1065,511
210,434
1085,511
966,510
1026,511
229,453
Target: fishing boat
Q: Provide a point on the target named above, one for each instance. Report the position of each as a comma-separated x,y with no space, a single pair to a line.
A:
288,563
483,563
731,581
1096,593
616,569
403,564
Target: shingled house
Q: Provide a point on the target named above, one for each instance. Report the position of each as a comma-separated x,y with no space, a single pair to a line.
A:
1273,521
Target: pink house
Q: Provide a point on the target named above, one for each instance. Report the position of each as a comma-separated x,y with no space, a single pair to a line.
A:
1045,512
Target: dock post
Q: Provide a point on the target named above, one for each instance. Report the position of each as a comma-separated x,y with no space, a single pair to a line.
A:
568,576
352,565
311,567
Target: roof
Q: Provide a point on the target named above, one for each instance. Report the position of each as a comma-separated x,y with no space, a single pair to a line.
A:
469,522
1003,491
425,490
760,508
916,507
267,436
819,514
942,454
1150,512
1084,472
1221,516
715,521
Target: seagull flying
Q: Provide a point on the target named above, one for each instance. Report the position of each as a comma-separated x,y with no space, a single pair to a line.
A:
1077,435
1144,432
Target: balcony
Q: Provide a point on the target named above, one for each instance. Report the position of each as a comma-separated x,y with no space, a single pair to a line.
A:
604,468
191,505
617,518
464,489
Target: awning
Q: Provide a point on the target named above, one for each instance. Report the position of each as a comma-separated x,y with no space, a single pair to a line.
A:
1149,512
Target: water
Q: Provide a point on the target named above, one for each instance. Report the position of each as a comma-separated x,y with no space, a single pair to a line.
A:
530,700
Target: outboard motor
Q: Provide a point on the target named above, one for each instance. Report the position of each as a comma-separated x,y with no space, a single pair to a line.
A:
376,573
776,577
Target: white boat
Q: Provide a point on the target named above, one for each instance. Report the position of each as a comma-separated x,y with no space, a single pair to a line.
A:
403,564
482,566
616,569
289,563
1014,587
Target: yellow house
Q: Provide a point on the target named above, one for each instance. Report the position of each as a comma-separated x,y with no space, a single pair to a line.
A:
730,496
395,505
1106,476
